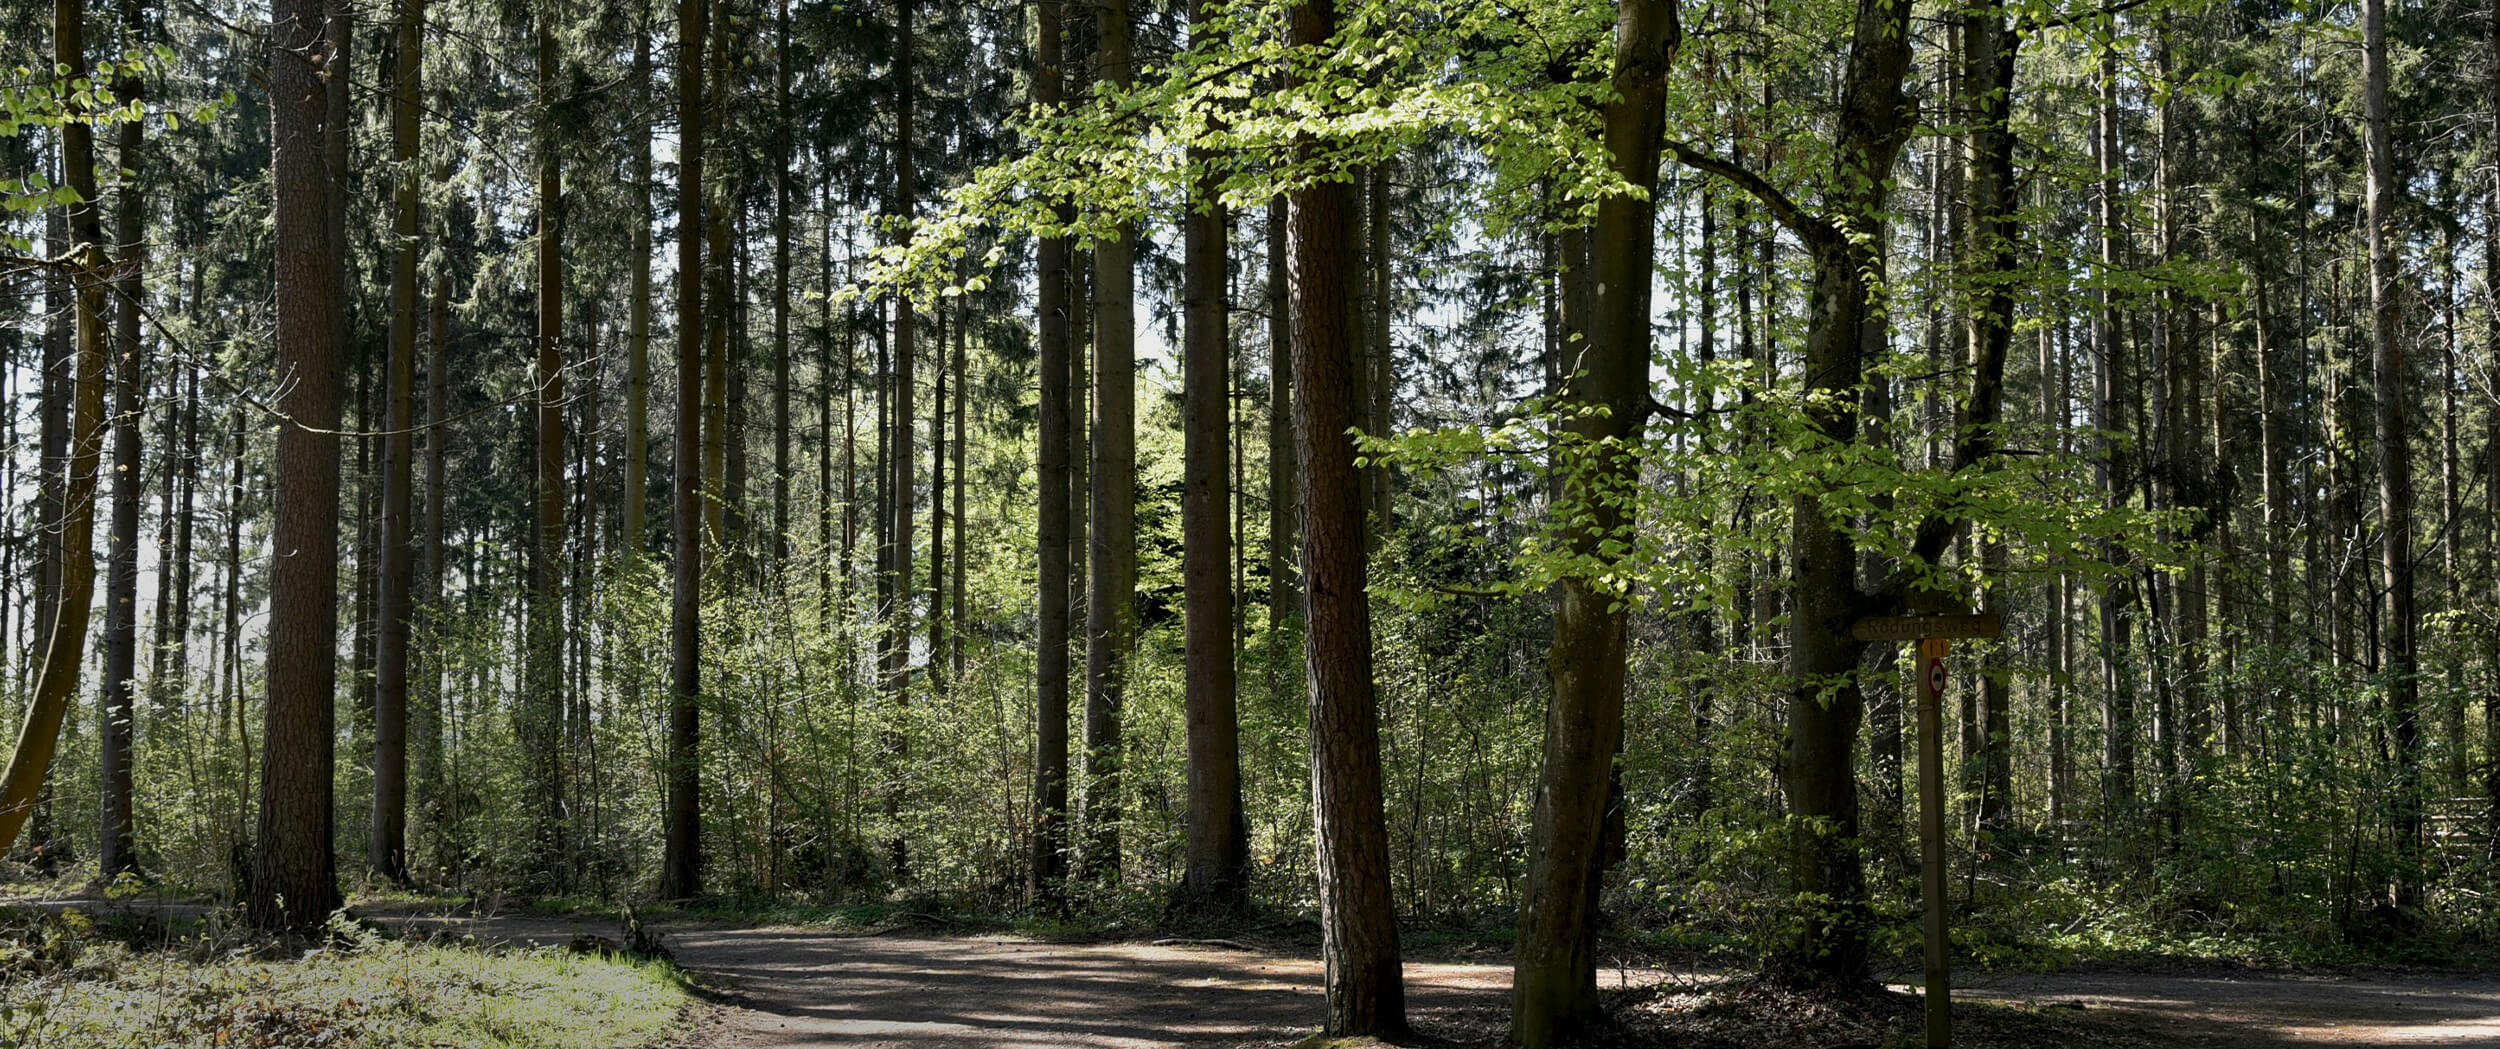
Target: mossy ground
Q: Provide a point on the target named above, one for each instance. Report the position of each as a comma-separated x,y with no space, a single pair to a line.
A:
76,981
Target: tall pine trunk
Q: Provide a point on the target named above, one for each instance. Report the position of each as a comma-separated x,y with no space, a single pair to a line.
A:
116,850
900,439
638,324
543,705
2395,462
388,851
781,290
1366,985
1218,846
2109,398
294,881
1111,592
1051,590
681,874
1284,502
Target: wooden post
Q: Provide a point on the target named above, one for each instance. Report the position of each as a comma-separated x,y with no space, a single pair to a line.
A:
1931,653
1931,632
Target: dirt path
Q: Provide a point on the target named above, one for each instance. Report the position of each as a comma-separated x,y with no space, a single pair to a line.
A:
2254,1011
787,987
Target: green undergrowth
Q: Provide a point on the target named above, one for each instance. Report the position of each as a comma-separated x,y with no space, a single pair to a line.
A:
126,980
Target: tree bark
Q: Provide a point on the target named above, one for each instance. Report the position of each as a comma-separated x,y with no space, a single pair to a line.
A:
388,851
682,861
937,498
294,883
1554,981
1284,600
2395,462
543,705
1358,923
782,60
426,718
1827,877
116,847
1215,878
638,315
2109,373
963,551
1051,591
1111,592
1989,50
900,454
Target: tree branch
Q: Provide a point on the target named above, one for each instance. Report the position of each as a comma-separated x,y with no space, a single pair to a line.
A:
1817,233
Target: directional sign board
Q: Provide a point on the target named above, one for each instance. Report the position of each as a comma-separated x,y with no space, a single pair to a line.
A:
1914,628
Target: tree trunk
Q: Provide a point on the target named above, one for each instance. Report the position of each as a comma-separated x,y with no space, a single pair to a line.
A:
1219,837
1554,984
782,59
1827,877
899,451
1111,592
426,719
1358,922
2395,462
388,851
116,847
543,705
681,874
720,203
177,640
1989,51
963,550
2491,445
2117,684
1380,384
1284,601
937,499
638,319
1050,656
294,883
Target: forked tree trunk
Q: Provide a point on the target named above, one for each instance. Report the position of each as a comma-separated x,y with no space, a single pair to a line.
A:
1554,986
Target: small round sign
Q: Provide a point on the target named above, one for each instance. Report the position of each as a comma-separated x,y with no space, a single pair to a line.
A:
1935,676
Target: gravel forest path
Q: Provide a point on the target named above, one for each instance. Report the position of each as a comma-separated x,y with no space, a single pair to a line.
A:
786,988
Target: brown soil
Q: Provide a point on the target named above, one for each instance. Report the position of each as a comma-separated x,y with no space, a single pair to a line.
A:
789,987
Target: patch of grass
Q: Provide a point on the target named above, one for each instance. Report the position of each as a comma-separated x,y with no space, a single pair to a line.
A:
64,987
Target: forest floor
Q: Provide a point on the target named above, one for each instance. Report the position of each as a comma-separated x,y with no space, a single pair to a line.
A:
777,987
925,986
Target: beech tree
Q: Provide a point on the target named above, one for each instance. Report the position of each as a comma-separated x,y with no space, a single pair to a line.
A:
1554,981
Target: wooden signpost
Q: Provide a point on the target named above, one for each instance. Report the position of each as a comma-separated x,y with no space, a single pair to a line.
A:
1933,634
